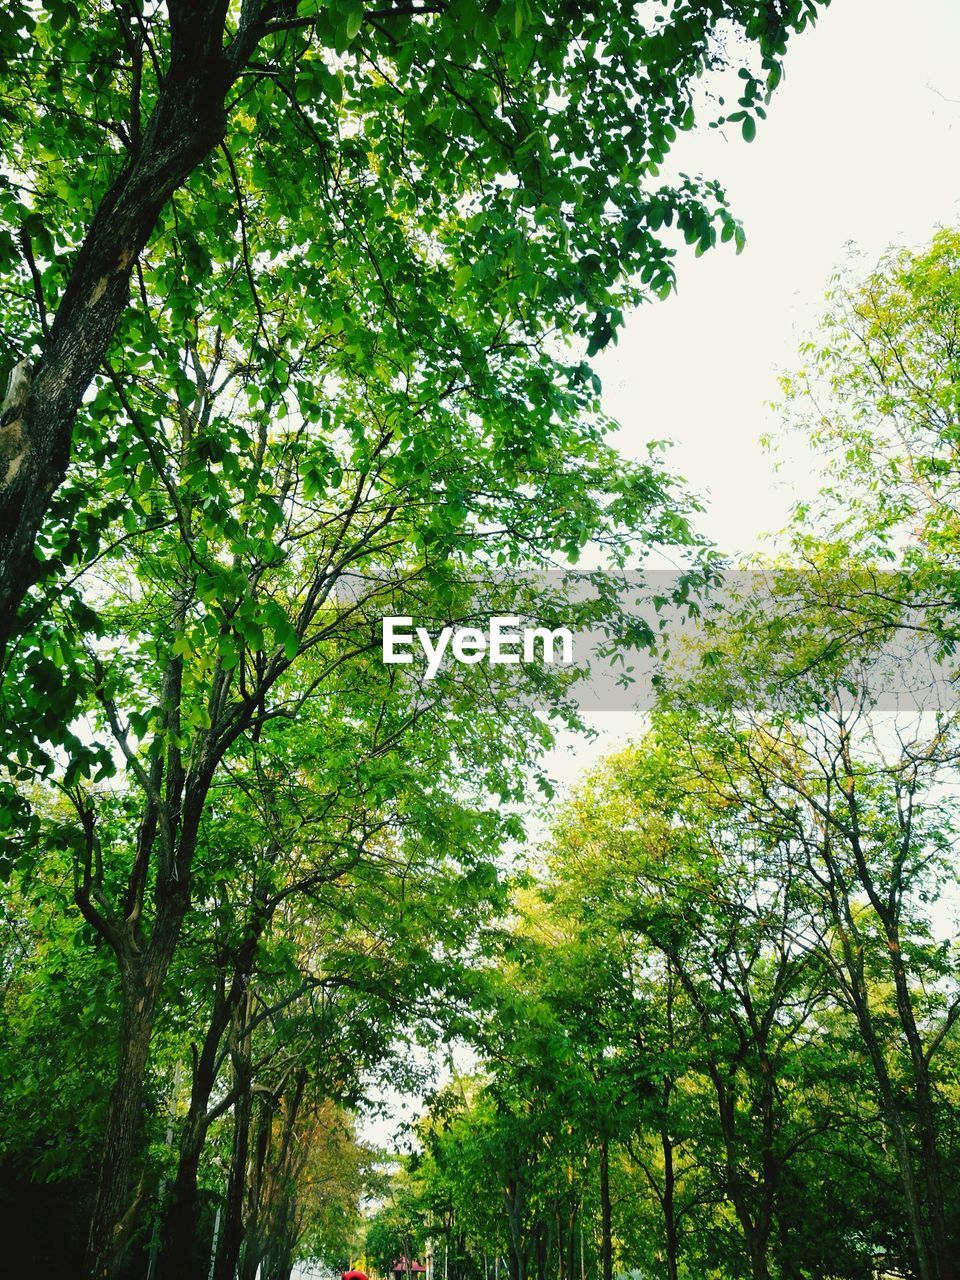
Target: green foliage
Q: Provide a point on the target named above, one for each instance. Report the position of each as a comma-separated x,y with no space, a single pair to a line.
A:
247,861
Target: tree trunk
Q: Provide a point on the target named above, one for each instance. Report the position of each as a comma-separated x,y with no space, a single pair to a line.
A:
513,1196
889,1106
186,123
254,1244
231,1235
926,1121
759,1265
606,1222
540,1246
669,1202
116,1205
179,1259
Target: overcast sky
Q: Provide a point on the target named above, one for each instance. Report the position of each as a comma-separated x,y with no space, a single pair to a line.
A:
860,145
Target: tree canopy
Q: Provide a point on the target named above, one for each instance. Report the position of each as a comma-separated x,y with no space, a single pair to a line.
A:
725,1040
429,182
299,308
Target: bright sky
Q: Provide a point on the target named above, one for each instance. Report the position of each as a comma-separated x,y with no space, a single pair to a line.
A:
859,147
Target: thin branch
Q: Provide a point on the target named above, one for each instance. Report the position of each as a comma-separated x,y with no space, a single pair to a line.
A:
31,262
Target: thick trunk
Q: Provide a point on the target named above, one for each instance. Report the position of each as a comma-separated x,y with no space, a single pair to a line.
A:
187,122
759,1265
116,1204
143,974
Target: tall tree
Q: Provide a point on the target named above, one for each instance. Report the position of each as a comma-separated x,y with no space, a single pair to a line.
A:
520,143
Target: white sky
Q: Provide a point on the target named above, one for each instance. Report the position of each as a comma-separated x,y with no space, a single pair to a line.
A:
859,147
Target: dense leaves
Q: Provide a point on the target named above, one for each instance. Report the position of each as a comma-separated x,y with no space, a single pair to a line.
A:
300,310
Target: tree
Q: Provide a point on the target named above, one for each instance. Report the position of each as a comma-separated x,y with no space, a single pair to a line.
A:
861,813
226,609
135,137
643,853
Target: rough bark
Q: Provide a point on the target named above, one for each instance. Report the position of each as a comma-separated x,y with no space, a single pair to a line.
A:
185,125
144,963
117,1204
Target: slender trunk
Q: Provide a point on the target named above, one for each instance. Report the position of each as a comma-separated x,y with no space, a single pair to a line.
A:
926,1213
179,1259
890,1107
752,1224
926,1120
669,1201
254,1243
231,1235
277,1211
913,1203
513,1197
569,1246
606,1223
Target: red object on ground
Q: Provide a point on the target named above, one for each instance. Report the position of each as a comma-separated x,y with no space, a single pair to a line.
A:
353,1275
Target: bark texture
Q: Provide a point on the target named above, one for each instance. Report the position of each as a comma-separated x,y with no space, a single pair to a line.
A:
36,431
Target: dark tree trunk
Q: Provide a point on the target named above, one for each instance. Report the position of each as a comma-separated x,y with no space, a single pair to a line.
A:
540,1238
231,1231
117,1205
187,122
253,1243
144,961
513,1196
669,1201
179,1257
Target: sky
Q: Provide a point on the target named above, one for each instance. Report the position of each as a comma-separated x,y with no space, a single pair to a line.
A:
859,148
